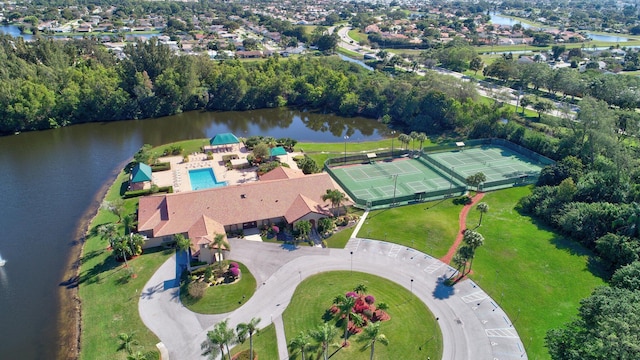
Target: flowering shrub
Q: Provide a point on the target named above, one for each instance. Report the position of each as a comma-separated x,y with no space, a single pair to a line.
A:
370,299
233,265
234,271
275,229
351,294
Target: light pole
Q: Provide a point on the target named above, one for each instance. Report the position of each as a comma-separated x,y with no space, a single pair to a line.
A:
395,182
451,178
393,136
351,252
346,137
411,286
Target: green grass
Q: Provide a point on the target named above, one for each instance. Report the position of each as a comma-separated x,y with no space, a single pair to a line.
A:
412,330
265,345
352,54
222,298
356,35
536,275
430,227
339,240
110,295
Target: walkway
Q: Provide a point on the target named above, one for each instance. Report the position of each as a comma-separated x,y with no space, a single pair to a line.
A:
473,325
462,225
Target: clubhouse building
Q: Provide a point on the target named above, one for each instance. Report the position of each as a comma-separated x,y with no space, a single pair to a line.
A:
283,194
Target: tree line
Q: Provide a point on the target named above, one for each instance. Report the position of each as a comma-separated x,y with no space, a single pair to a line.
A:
48,84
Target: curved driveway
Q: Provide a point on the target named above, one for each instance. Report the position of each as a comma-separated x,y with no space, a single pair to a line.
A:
472,324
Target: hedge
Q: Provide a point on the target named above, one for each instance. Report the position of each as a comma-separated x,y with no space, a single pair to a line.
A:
136,193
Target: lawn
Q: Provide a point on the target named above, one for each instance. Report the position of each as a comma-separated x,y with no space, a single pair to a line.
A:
265,345
356,35
412,330
430,227
110,294
536,275
222,298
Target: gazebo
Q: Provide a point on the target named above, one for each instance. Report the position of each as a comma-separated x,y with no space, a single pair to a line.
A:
277,151
140,176
222,141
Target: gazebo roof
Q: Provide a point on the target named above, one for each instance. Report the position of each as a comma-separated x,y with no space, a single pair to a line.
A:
277,151
224,139
141,173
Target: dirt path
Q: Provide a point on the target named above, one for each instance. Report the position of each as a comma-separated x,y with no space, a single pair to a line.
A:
462,224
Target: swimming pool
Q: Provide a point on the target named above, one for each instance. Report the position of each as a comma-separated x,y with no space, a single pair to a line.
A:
204,179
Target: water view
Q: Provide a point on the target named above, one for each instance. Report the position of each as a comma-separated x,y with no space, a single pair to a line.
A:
503,20
50,180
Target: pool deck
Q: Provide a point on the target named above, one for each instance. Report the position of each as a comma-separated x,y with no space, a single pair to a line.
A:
178,176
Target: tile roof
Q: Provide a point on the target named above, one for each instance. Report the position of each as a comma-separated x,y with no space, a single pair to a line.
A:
179,212
281,173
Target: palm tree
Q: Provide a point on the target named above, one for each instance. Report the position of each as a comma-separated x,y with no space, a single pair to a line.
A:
219,241
182,243
461,258
128,221
345,305
107,232
473,240
121,246
422,137
302,342
248,328
483,207
360,288
404,138
126,341
336,197
413,135
218,339
304,229
138,355
324,334
371,334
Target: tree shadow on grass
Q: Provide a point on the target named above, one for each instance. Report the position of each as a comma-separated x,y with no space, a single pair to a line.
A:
442,290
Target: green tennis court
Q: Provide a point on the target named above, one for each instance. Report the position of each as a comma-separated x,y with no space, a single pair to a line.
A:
497,163
402,179
436,174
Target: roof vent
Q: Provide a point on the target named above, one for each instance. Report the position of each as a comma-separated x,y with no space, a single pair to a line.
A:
243,196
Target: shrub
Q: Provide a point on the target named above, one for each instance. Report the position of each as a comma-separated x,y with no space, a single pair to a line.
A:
351,294
163,166
275,229
209,155
208,273
196,289
370,299
342,221
233,265
136,193
234,271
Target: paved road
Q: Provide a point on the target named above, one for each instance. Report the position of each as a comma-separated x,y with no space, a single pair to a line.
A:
473,325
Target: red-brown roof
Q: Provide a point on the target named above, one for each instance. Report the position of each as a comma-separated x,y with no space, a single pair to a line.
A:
281,173
178,213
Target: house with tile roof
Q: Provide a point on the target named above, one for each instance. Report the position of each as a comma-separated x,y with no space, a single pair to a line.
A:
284,196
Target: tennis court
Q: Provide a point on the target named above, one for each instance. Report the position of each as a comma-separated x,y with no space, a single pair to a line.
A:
497,163
402,179
438,174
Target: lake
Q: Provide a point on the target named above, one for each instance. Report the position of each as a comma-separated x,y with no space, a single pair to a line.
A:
50,180
503,20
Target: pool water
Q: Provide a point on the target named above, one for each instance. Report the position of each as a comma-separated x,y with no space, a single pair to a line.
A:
204,179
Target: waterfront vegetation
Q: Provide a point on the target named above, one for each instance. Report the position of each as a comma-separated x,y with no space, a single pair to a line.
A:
110,291
412,330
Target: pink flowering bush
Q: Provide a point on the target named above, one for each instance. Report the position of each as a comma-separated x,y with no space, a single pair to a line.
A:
233,265
370,299
351,294
234,271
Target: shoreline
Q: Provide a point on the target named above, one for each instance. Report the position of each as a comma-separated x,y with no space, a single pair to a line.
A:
70,312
